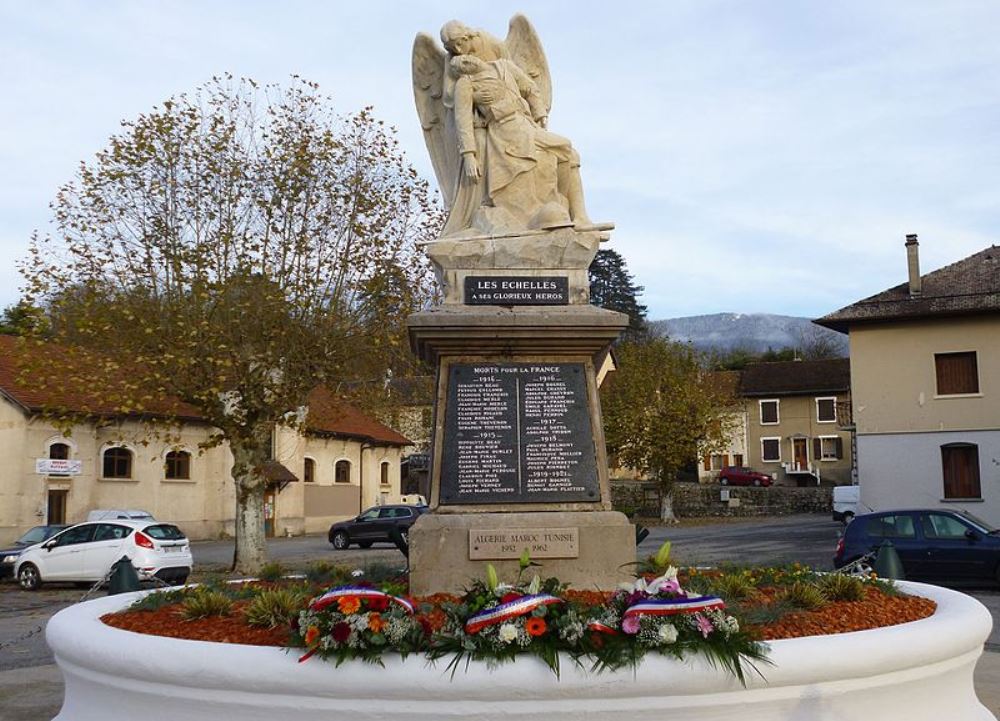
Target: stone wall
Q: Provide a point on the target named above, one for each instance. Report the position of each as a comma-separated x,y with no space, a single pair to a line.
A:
696,500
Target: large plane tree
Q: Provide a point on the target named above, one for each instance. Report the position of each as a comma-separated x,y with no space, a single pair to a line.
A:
232,249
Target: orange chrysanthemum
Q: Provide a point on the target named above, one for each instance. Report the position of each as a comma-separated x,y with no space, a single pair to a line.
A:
535,626
348,604
312,633
375,622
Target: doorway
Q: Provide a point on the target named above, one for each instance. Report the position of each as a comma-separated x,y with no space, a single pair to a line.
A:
269,512
56,513
800,453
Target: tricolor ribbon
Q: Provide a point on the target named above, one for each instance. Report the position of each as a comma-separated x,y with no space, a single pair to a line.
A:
506,611
321,602
601,628
673,606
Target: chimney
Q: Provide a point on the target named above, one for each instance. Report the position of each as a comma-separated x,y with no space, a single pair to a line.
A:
913,264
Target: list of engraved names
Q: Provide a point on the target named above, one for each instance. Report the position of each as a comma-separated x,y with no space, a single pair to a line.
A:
518,433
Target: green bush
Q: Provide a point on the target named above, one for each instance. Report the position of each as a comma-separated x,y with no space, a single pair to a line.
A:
274,607
273,571
202,603
838,587
734,586
158,599
804,595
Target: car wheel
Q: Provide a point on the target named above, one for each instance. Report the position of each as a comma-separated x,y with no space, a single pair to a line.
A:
365,544
341,541
29,578
405,535
756,481
724,481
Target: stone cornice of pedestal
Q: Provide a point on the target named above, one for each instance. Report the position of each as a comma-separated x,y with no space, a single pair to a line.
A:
472,330
566,249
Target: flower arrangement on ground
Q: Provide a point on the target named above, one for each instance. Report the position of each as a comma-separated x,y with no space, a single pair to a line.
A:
357,621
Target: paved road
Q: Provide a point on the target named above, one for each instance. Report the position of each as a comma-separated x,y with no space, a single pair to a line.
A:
808,539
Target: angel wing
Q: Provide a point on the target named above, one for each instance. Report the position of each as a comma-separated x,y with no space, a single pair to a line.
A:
429,63
525,49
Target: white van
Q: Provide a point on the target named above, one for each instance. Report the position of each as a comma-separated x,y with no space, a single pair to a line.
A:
845,503
119,514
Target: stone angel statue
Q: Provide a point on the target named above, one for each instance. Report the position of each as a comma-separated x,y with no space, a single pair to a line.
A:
483,105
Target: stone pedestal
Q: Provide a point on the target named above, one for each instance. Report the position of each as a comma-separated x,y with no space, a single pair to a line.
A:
441,545
518,459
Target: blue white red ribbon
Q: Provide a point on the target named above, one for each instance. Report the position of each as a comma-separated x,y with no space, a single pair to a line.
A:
673,606
506,611
334,594
601,628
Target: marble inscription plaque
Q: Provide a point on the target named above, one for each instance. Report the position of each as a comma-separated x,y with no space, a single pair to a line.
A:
518,433
512,542
516,290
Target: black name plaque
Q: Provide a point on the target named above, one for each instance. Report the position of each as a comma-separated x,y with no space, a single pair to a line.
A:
516,290
518,433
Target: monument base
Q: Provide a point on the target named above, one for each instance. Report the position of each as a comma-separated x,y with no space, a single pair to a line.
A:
597,548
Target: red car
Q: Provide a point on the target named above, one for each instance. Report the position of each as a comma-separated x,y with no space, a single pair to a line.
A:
740,476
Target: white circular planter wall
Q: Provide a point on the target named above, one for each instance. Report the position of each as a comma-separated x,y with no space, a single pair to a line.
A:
919,671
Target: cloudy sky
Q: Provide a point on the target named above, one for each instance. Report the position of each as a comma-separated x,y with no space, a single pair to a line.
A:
755,155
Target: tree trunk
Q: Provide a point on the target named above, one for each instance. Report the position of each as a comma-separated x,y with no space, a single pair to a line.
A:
667,505
249,456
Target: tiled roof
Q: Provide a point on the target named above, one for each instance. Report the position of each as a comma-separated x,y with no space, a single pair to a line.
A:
970,286
789,378
329,414
326,413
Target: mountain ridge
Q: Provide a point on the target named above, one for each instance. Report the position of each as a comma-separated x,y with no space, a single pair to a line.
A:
754,332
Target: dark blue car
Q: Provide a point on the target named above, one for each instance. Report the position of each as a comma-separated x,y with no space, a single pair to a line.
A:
8,556
934,545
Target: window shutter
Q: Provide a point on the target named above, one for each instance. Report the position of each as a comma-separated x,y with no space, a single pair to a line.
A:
817,449
840,447
956,373
707,461
725,460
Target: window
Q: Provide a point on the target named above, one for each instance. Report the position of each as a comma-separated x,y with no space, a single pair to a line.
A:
826,410
960,469
770,450
342,472
309,471
957,373
718,461
77,534
828,448
769,413
891,527
178,465
111,532
941,525
384,473
738,460
59,452
117,463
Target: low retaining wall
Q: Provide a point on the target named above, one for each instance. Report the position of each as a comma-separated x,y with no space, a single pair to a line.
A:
697,500
919,671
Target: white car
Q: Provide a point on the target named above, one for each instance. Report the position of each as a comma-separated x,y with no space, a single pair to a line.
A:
85,553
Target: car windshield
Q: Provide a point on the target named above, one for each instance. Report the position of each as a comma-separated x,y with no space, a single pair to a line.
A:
35,535
164,532
979,523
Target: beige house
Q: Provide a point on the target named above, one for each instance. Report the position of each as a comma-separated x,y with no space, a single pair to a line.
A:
345,462
789,427
925,366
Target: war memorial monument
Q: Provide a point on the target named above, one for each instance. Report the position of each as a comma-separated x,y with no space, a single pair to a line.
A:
518,458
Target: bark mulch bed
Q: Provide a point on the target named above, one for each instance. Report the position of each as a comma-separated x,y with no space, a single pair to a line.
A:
874,611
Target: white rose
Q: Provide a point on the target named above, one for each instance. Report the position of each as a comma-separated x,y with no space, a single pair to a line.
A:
668,634
507,632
